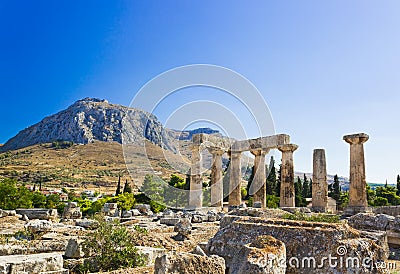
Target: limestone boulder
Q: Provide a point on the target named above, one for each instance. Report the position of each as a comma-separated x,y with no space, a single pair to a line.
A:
38,213
143,209
264,255
186,263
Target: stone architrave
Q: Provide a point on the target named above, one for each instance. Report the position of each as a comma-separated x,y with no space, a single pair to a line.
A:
258,186
196,184
319,184
287,195
217,187
235,196
358,187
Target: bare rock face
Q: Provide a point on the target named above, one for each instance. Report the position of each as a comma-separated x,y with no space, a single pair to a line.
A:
265,255
309,245
186,263
90,120
370,221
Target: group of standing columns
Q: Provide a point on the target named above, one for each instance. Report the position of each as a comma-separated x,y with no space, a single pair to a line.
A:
357,193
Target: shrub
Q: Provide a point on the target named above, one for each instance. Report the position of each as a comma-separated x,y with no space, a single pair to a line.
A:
111,246
324,218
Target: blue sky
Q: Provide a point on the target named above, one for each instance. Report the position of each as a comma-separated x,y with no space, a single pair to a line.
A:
325,68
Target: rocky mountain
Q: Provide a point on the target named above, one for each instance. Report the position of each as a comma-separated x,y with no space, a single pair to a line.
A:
90,120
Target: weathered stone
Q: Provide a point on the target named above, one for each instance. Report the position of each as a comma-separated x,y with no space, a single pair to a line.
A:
258,186
196,183
319,183
169,221
235,196
197,218
257,204
302,240
168,213
74,249
212,216
184,228
72,211
86,223
151,253
37,226
111,210
32,264
143,209
370,221
287,175
217,194
38,213
264,255
199,251
5,213
186,263
357,193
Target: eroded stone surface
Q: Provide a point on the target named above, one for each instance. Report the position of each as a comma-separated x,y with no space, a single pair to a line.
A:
302,240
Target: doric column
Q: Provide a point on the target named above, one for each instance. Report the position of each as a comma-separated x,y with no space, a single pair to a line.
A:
217,187
234,181
258,187
319,184
196,184
287,176
358,192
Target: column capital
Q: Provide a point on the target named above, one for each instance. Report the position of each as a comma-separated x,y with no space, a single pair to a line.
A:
215,150
259,152
287,148
233,153
358,138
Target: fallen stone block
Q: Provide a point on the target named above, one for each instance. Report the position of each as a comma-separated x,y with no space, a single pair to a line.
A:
74,249
169,221
37,226
32,264
38,213
151,253
186,263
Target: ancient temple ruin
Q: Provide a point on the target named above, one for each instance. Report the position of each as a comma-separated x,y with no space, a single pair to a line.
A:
259,147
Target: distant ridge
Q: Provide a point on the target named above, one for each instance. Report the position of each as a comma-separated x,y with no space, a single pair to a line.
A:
93,119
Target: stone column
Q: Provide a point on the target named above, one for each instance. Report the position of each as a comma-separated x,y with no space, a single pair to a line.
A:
217,187
358,186
287,176
319,184
235,197
258,186
196,184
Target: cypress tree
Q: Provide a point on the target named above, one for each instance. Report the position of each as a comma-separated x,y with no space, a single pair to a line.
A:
298,192
118,191
335,194
127,187
398,185
306,187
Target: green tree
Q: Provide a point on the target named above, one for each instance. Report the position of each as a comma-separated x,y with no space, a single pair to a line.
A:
306,187
125,201
389,193
154,188
249,182
381,201
111,246
127,187
38,200
118,191
398,185
278,181
14,196
52,201
271,184
371,195
335,189
299,199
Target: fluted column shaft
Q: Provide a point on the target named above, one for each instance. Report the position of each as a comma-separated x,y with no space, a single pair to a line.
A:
287,194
